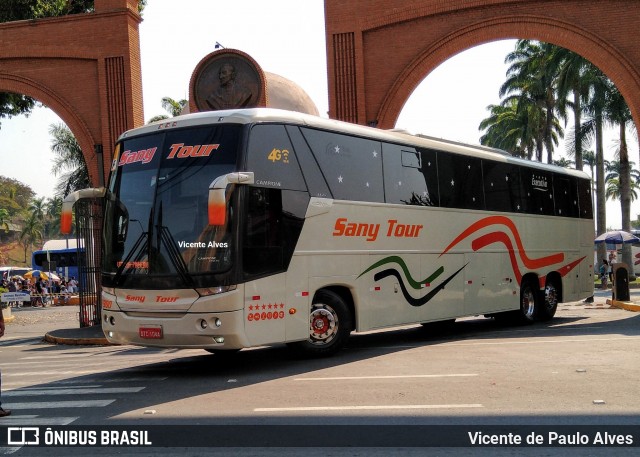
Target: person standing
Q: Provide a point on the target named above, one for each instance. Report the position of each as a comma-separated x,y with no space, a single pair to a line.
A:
3,412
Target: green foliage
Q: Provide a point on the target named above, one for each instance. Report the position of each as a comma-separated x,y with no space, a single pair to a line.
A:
69,164
14,195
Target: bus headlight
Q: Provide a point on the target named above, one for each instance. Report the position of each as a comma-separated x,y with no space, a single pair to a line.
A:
205,291
203,324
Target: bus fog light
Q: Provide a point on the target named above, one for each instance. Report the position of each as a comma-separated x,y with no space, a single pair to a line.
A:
218,339
218,322
110,334
203,324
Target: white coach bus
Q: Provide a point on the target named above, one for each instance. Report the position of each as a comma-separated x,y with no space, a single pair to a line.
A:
232,229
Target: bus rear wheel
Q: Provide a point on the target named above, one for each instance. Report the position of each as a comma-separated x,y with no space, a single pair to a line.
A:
329,326
529,302
550,305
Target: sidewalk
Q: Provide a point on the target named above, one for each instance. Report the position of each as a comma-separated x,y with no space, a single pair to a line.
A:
78,336
56,325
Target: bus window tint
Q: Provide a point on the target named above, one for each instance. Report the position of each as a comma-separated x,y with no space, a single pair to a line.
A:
262,238
351,166
584,199
404,181
539,194
316,184
502,188
565,192
460,179
271,157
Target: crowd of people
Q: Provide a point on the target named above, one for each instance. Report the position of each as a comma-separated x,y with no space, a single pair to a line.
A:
42,292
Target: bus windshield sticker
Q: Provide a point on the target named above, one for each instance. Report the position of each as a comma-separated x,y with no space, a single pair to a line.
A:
279,155
142,156
180,151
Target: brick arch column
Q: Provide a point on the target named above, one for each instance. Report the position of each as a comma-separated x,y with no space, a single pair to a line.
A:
31,88
378,52
615,65
86,68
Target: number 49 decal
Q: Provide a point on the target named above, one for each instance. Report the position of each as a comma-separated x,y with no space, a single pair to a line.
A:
279,155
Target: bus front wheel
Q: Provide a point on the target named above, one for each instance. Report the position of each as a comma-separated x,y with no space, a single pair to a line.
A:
329,325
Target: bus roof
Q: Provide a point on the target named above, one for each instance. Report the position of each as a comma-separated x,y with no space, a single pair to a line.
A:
267,115
57,245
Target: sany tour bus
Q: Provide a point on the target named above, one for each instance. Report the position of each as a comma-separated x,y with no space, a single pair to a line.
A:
232,229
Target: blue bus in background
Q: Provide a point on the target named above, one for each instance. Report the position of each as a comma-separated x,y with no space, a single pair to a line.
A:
61,257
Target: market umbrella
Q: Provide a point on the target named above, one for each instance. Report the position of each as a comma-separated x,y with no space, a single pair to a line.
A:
617,237
41,274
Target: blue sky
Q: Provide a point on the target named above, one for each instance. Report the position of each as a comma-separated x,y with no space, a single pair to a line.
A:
285,37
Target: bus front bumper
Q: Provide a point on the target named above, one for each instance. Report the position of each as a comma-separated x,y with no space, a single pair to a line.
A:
221,330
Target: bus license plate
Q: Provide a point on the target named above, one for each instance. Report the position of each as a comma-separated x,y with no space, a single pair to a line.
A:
150,332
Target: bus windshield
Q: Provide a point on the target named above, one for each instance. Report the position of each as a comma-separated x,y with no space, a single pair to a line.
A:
156,231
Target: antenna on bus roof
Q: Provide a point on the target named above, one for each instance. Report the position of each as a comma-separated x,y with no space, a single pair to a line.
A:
218,46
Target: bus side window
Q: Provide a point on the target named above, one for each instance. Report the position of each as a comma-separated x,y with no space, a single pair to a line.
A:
502,187
565,192
404,181
271,157
460,179
315,181
352,166
584,199
538,191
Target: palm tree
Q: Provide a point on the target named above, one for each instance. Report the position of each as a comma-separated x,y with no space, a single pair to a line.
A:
530,81
571,68
69,164
508,129
173,107
563,162
618,113
4,219
613,191
53,212
31,233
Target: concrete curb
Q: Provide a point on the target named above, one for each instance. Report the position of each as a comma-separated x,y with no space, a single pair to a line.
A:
76,341
629,306
77,337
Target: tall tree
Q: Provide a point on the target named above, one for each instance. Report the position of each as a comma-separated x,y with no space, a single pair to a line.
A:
173,107
31,234
69,162
530,80
4,219
571,68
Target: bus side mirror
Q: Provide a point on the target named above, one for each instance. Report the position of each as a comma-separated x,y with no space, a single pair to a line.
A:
217,207
67,205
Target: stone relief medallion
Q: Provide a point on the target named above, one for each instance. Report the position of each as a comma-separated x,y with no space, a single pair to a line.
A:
227,79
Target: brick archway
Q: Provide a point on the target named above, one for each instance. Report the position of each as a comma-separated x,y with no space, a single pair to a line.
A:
378,52
86,68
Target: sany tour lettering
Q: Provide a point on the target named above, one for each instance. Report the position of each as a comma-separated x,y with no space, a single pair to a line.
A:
180,151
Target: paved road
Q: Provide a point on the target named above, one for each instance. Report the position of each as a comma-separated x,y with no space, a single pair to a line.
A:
580,369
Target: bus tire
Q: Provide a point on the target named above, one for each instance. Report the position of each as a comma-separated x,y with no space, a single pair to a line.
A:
549,304
330,324
529,302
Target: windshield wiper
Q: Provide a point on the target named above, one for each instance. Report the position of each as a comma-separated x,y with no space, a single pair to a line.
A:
165,237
